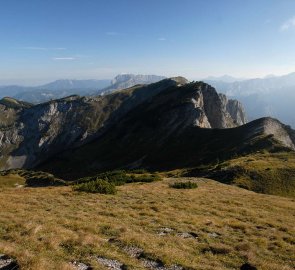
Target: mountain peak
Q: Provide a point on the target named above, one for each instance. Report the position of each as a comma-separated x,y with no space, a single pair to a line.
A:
179,80
139,78
123,81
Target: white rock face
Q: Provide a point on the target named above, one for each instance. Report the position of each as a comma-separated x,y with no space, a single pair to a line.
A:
201,118
215,110
43,130
235,109
275,128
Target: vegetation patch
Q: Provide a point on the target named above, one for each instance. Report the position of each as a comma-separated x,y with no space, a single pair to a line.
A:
34,178
13,103
184,185
121,177
263,172
11,180
96,186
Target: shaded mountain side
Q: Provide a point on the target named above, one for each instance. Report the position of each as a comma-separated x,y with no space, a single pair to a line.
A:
31,134
163,138
39,132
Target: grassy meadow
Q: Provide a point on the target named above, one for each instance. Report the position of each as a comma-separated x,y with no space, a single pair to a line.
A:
214,226
263,172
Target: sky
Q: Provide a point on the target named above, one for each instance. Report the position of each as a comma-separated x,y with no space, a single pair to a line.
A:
44,40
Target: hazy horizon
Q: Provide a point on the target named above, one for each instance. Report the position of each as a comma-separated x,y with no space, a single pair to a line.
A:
40,82
43,41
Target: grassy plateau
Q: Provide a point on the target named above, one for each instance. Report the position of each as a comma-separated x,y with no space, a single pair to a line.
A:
213,226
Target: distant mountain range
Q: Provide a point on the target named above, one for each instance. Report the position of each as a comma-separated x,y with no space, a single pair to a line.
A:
64,88
272,96
53,90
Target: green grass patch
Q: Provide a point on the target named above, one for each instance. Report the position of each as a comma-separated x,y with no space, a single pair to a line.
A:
11,180
269,173
96,186
35,178
121,177
184,185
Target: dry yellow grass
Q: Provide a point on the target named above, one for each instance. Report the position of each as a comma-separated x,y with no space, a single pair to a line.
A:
11,180
269,173
46,228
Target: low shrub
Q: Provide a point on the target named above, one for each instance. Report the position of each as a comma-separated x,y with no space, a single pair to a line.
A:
121,177
116,177
184,185
145,178
96,186
43,180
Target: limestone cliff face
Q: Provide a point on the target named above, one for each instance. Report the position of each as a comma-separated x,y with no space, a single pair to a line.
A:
215,110
43,130
29,135
235,109
272,127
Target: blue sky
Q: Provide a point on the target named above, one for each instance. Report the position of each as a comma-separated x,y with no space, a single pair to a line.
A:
43,40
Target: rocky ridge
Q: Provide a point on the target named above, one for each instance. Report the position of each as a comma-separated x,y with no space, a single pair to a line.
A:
176,128
29,135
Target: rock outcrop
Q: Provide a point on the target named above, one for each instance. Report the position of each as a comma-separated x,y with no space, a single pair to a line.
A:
235,109
280,132
7,263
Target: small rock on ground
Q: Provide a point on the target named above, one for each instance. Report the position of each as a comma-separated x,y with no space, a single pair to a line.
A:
7,263
80,266
133,251
154,265
165,231
213,235
111,264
